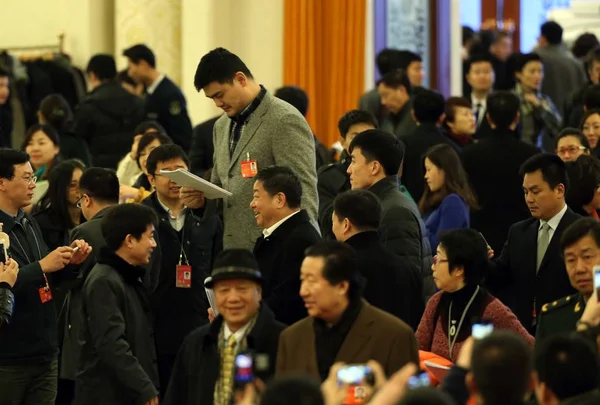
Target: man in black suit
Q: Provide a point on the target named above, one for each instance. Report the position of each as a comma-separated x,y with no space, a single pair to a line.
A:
287,233
493,168
427,109
376,159
393,283
480,76
165,102
333,179
530,271
108,115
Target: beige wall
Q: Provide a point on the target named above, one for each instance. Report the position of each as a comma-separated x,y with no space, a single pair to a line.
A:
251,28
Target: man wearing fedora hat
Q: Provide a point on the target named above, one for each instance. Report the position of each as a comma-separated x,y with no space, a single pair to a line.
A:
204,369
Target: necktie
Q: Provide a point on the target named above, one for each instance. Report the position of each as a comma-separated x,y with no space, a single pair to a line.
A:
542,245
477,113
227,370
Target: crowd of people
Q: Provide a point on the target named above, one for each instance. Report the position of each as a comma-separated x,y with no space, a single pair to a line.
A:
317,281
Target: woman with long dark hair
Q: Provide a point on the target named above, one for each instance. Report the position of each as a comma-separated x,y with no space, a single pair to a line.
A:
57,212
590,126
56,112
447,197
583,194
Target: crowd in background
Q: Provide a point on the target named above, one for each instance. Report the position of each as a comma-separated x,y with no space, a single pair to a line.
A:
328,276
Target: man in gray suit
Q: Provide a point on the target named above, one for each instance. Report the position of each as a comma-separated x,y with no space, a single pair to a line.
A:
256,131
562,72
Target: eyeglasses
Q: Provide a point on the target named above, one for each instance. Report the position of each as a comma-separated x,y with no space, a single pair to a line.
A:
437,260
30,180
570,149
79,202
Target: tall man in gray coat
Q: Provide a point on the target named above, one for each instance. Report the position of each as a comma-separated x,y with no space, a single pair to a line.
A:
256,131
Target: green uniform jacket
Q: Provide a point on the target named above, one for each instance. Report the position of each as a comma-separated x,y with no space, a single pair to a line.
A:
559,316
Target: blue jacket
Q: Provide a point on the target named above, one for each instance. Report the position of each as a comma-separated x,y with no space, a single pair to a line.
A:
452,213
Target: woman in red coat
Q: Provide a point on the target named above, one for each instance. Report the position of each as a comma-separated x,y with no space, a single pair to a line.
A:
458,271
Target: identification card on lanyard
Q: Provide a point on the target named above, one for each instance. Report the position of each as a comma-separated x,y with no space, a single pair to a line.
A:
183,272
249,167
45,293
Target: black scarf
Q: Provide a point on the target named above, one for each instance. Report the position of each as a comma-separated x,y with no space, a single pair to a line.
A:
460,299
329,340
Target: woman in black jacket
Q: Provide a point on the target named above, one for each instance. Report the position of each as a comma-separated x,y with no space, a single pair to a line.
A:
583,194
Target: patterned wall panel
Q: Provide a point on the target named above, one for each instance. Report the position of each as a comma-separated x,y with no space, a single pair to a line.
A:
157,23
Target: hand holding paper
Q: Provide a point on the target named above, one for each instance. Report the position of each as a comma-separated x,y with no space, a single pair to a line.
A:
186,179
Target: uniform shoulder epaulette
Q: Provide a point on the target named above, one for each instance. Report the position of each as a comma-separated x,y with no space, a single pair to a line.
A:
324,168
561,303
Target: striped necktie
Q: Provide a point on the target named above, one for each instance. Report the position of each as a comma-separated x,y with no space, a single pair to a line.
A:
227,370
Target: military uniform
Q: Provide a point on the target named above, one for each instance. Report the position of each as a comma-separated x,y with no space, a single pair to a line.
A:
559,316
168,106
332,180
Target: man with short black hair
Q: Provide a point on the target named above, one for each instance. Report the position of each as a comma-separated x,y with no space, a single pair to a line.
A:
189,240
501,48
99,190
6,122
107,116
580,248
298,98
164,102
562,72
479,73
427,110
522,280
333,179
29,343
204,370
493,167
395,91
341,326
501,369
566,371
393,283
387,61
118,358
248,137
376,160
287,233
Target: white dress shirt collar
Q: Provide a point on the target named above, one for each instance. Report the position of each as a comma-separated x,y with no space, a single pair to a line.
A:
239,335
269,231
152,88
177,222
553,222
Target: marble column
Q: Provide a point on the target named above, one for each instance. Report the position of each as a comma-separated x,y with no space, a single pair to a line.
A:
156,23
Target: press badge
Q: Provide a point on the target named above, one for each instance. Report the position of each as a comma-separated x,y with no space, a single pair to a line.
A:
184,276
249,167
45,293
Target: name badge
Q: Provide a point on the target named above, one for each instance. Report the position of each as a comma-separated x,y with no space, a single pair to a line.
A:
249,167
184,276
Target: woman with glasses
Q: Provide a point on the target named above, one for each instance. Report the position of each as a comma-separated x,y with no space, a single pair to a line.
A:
57,212
570,144
142,188
583,193
458,269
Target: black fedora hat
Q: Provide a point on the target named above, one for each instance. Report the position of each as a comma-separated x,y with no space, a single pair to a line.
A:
234,264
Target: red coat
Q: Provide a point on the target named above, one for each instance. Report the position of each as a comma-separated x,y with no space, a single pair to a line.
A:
432,338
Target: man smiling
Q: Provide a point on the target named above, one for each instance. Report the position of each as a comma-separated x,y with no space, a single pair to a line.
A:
287,233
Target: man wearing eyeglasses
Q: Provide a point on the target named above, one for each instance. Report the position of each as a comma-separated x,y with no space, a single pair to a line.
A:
570,144
29,344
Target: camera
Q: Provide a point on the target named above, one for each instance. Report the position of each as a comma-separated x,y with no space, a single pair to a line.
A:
482,328
249,366
419,380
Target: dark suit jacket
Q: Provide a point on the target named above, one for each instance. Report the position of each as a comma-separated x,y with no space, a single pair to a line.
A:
492,165
168,106
374,335
202,149
279,259
513,278
393,283
424,137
